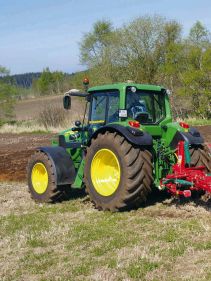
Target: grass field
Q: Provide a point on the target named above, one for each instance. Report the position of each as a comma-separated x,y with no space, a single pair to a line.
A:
196,121
30,109
164,240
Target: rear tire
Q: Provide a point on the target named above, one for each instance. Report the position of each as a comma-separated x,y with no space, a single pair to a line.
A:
41,179
201,156
135,170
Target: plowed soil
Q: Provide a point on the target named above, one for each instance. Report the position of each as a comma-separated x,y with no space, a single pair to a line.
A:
15,149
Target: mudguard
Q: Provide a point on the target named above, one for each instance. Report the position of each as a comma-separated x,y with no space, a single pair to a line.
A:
62,164
133,135
192,137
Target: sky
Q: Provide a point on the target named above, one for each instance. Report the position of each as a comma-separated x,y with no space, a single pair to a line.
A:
35,34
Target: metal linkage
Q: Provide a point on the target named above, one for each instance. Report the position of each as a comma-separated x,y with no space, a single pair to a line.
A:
184,178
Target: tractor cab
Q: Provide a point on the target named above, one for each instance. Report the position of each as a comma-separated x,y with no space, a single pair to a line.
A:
145,107
119,102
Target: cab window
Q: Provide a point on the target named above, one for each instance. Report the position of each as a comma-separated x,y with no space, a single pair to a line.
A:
104,107
147,107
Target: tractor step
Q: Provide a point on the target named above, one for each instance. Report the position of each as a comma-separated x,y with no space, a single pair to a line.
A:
185,179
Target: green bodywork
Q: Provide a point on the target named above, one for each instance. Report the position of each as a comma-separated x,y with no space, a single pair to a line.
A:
162,133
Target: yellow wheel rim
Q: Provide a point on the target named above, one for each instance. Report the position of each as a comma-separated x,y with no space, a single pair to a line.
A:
39,178
105,172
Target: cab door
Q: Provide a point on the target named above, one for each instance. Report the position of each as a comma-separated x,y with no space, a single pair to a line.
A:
104,108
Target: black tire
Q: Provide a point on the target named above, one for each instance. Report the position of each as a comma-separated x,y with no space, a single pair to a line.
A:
53,192
136,173
201,156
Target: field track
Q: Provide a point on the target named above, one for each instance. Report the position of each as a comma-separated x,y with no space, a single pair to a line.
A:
15,149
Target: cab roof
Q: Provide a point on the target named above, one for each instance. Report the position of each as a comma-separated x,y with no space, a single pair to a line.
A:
120,86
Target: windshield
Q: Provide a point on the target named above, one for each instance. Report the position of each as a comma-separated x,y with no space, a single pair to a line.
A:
147,107
104,108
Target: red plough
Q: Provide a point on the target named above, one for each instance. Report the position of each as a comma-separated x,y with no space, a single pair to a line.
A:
184,178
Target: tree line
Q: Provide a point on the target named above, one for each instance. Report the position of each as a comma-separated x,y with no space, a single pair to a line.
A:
24,80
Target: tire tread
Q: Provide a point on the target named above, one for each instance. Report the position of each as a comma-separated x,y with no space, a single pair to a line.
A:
139,173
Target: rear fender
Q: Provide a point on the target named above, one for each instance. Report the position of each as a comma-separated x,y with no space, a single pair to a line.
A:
193,137
63,165
133,135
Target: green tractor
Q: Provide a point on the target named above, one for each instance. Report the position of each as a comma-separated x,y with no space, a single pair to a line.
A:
126,145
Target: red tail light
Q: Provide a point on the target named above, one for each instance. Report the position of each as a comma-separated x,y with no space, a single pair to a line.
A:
187,193
184,125
134,124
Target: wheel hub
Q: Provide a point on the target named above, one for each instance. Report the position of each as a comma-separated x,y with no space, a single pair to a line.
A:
39,178
105,172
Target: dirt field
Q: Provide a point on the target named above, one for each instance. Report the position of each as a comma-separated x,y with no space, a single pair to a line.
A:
16,149
206,132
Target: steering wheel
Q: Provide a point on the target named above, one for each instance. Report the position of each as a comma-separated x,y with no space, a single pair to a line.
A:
142,117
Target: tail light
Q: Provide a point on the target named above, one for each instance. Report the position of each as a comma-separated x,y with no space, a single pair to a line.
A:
184,125
134,124
187,193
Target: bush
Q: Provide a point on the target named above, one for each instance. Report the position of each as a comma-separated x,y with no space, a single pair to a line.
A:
52,116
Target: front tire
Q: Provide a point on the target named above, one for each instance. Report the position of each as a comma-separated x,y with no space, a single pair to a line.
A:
41,179
118,175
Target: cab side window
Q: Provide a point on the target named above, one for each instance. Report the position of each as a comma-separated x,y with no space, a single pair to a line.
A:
98,112
104,107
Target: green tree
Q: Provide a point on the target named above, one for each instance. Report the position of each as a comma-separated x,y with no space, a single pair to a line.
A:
7,94
95,51
44,82
3,71
196,80
133,52
152,50
199,34
58,82
94,43
196,75
7,100
49,82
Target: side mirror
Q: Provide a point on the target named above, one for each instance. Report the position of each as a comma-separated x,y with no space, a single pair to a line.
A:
67,102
